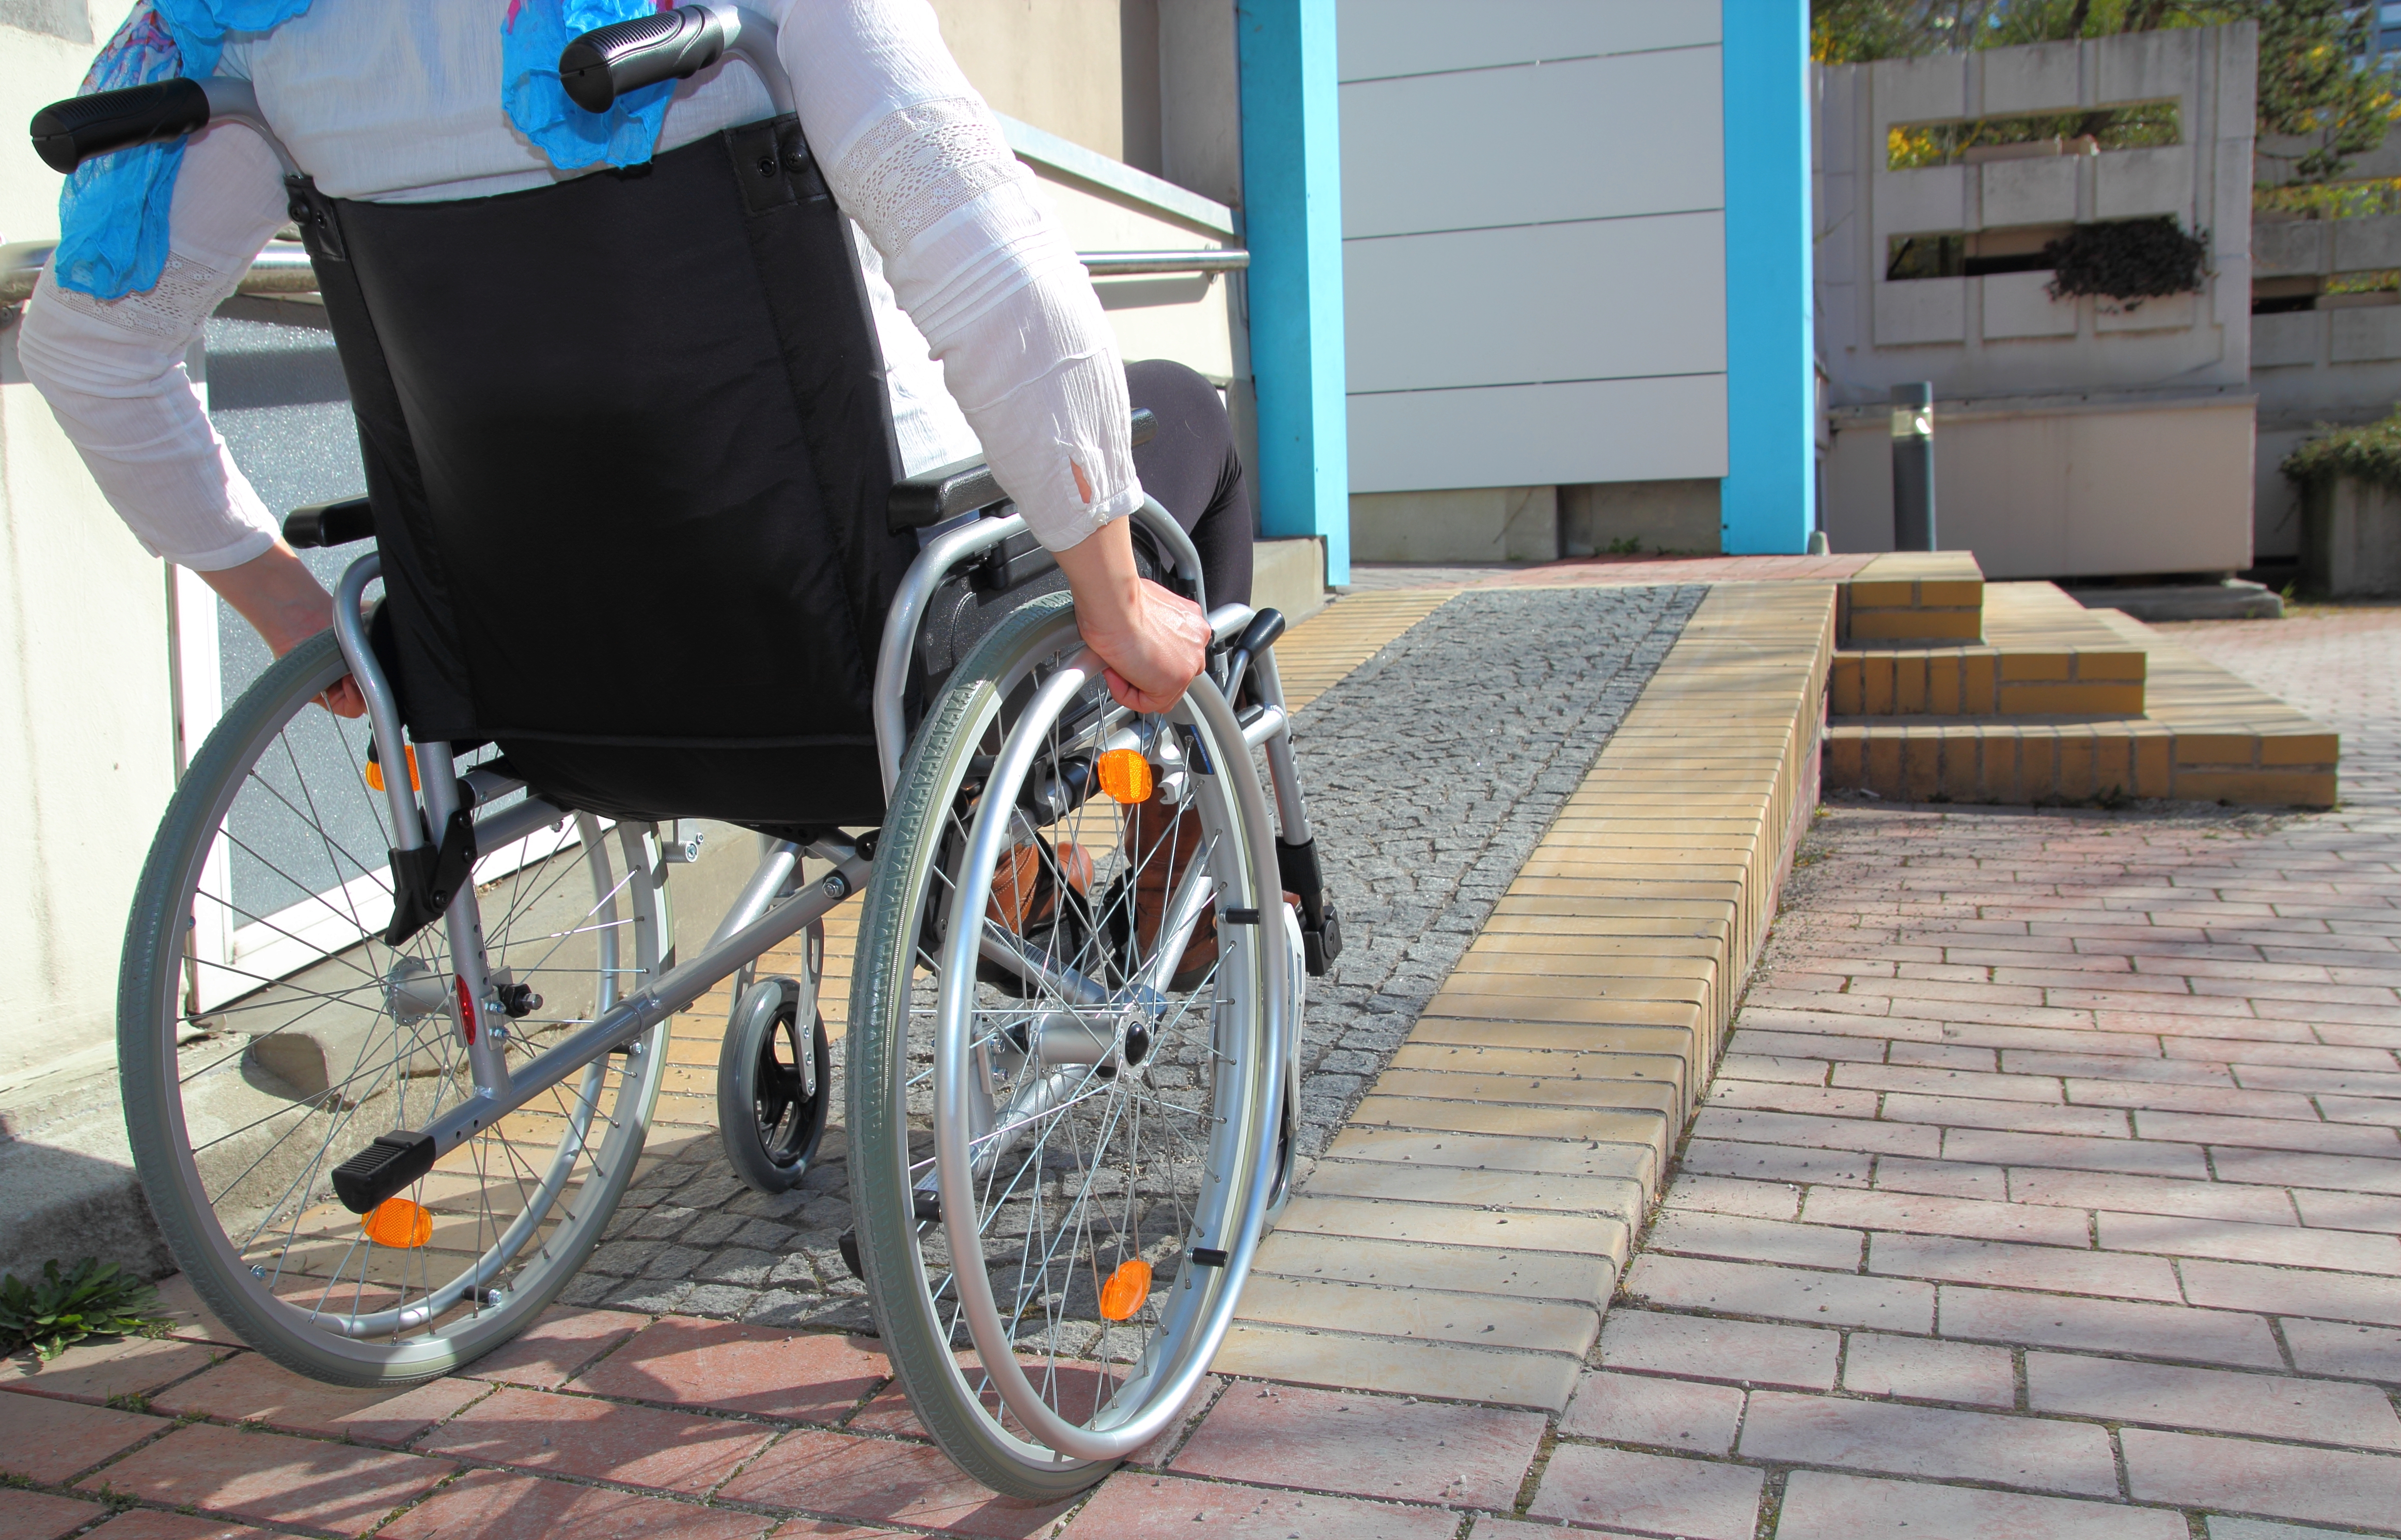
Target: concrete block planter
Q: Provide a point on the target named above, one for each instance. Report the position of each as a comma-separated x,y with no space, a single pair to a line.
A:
2351,537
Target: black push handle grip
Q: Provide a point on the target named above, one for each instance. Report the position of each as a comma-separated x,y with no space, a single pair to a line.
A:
1261,633
323,524
70,133
608,62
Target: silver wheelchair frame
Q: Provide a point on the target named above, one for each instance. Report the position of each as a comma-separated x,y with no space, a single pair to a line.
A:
775,904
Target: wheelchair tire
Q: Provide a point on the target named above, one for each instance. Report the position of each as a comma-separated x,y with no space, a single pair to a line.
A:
265,1033
775,1082
1144,1145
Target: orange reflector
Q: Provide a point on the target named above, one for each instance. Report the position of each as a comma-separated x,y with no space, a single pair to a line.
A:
1125,775
400,1224
375,768
1126,1290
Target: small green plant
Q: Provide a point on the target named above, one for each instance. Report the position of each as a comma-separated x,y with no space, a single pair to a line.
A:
2128,260
94,1299
1630,545
2369,452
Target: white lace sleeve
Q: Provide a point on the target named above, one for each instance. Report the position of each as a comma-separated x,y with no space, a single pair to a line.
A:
974,253
113,370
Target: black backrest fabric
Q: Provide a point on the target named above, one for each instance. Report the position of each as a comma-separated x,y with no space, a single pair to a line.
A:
628,446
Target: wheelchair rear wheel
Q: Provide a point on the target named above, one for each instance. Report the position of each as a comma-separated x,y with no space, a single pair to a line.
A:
1066,1025
266,1033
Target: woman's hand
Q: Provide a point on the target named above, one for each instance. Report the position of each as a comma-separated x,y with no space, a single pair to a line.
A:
1154,642
286,605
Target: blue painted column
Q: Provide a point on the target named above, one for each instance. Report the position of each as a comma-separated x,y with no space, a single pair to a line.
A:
1768,495
1292,222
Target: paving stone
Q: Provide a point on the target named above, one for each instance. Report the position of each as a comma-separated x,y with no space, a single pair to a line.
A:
47,1441
577,1435
254,1389
1728,1195
2108,1326
2292,1291
1924,1214
1591,1486
2265,1405
1824,1505
1401,1264
1700,1234
2222,1528
492,1505
810,1377
2085,1190
38,1516
1747,1352
152,1524
1397,1366
873,1480
1781,1163
97,1373
273,1478
1366,1447
1922,1370
1134,1505
1641,1408
2285,1245
546,1354
2339,1347
1929,1441
2057,1269
1792,1294
2277,1480
1481,1320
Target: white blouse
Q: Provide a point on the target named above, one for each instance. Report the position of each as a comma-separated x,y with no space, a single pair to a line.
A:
990,327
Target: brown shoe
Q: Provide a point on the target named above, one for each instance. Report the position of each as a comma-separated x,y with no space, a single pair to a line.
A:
1149,826
1026,884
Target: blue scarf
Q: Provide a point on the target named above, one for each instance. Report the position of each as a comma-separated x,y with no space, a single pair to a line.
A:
113,211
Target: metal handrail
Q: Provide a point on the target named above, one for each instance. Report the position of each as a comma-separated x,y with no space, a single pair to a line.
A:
283,267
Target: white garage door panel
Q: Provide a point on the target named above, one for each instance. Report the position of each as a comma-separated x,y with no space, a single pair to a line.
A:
1599,300
1533,435
1381,37
1528,144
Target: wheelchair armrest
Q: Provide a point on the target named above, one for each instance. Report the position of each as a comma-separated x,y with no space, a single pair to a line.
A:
325,524
940,495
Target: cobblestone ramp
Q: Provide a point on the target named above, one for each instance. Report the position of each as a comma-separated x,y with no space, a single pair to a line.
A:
1432,772
1432,769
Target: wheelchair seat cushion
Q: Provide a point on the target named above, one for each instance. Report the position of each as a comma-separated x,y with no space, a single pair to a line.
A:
628,448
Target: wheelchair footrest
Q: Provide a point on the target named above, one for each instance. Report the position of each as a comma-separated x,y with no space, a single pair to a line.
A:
1321,927
382,1169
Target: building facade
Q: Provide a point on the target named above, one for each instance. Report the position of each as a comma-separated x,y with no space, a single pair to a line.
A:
1575,242
2075,437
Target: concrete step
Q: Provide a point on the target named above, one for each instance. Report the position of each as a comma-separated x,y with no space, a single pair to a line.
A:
2042,653
1913,596
2205,735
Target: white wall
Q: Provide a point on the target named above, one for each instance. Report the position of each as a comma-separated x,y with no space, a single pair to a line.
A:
1533,242
2054,488
87,749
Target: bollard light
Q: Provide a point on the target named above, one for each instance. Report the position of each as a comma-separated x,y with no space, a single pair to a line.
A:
1913,467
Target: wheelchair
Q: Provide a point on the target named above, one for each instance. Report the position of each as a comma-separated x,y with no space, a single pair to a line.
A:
395,993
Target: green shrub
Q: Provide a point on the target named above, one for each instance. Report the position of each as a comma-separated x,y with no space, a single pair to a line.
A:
2370,452
93,1300
2130,260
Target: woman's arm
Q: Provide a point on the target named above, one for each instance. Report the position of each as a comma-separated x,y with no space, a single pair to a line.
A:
113,370
980,265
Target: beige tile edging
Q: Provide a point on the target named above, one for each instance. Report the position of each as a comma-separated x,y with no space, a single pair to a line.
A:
1465,1229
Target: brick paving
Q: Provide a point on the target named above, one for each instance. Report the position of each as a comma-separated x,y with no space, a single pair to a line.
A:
2048,1187
2051,1180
